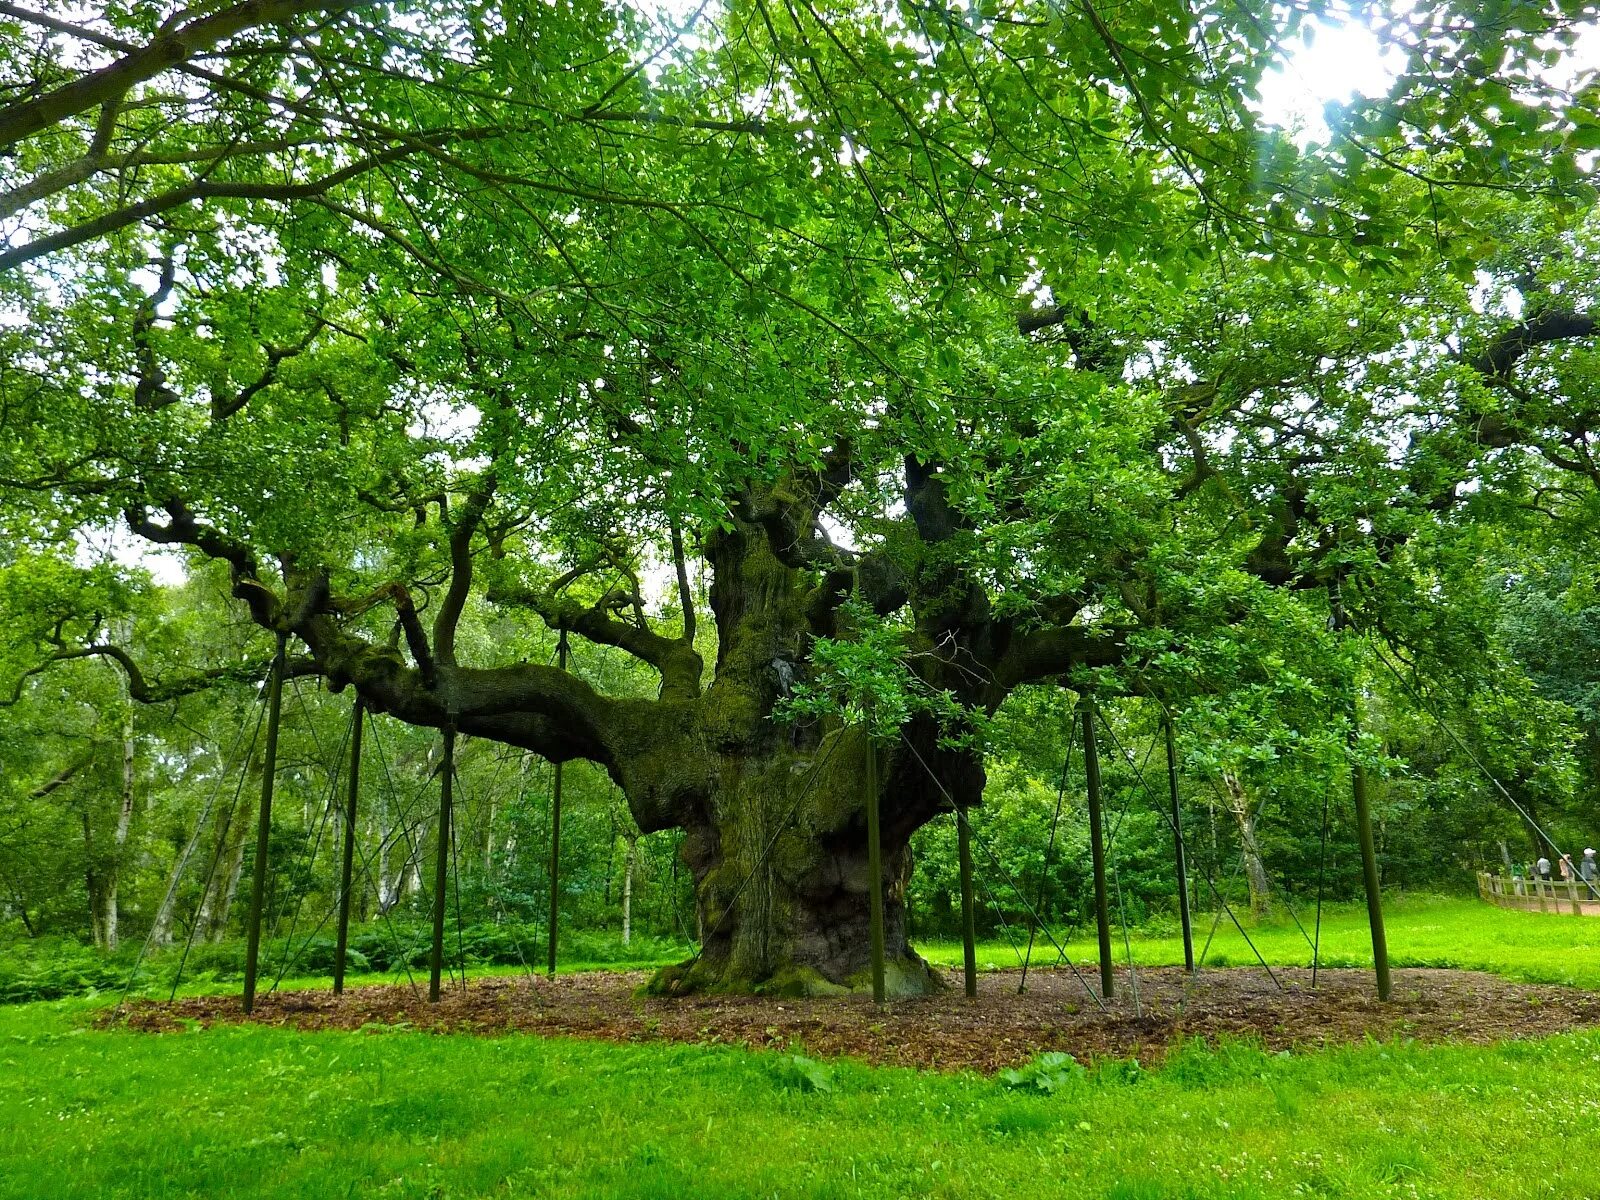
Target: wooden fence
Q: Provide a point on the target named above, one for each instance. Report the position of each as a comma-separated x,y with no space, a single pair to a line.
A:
1571,896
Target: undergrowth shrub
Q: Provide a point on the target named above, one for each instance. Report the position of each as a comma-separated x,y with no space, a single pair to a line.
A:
49,968
53,968
1049,1072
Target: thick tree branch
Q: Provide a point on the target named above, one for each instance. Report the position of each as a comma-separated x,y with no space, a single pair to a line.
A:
172,45
47,183
678,663
182,529
60,779
1056,650
405,616
552,712
198,191
455,596
151,392
1510,345
685,592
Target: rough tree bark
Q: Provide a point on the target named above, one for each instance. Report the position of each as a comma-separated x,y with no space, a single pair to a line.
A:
773,813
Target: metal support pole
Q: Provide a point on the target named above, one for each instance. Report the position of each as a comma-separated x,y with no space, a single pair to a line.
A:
1369,872
874,867
1097,847
555,832
347,867
258,876
1369,851
969,934
1179,858
441,871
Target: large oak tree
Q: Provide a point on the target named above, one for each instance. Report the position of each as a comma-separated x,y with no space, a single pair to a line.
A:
951,351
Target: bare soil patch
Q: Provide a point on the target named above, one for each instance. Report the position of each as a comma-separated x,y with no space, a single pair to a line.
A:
947,1031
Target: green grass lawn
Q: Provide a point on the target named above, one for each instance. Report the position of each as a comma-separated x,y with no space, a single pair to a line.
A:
274,1113
1424,931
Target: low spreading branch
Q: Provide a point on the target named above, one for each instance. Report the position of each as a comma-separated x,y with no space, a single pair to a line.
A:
146,691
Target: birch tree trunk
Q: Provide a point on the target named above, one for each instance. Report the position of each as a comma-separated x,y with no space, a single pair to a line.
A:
1243,813
119,846
161,927
219,900
628,861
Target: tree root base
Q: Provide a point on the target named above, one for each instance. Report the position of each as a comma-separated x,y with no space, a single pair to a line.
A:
904,977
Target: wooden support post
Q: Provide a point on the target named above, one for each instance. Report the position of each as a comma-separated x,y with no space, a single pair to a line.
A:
1097,848
441,870
347,866
969,930
1369,873
1185,918
1572,895
555,833
269,771
874,868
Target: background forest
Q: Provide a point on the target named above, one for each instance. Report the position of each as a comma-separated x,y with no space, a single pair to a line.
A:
127,826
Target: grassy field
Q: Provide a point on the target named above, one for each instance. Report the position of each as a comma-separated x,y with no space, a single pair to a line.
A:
1424,931
272,1113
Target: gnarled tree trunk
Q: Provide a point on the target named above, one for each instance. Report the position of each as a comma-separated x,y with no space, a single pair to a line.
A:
782,879
775,813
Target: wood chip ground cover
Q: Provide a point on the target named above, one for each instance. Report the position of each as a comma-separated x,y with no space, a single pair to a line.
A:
1002,1028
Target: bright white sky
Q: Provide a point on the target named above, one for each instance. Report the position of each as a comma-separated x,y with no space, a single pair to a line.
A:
1341,62
1345,60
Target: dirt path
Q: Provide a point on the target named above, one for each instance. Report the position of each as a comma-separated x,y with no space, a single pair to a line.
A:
947,1031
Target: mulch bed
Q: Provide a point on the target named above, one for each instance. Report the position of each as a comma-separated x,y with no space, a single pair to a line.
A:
946,1031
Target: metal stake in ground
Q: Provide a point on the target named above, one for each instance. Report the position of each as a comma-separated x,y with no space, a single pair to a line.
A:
555,832
258,877
1177,842
969,935
1358,790
441,873
1369,869
874,866
1097,848
347,868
